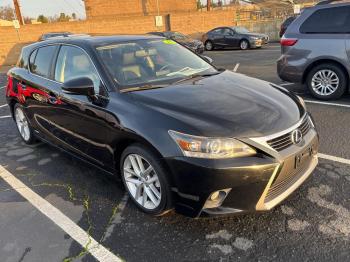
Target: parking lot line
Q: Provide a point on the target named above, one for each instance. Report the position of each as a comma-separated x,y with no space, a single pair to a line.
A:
335,159
236,67
3,105
4,117
79,235
326,103
1,87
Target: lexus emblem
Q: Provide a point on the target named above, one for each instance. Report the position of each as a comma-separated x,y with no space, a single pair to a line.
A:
297,137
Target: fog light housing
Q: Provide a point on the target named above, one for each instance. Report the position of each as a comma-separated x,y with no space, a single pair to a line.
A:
216,198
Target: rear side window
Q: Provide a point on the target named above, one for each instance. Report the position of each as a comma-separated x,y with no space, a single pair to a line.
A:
41,61
217,31
335,20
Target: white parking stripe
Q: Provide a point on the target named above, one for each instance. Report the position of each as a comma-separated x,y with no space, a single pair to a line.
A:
79,235
334,158
3,105
4,117
236,67
1,87
326,103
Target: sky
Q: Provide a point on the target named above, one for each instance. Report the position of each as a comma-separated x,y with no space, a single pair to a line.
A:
33,8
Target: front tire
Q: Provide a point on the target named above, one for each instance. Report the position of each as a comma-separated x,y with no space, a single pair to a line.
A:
327,82
145,180
244,45
23,125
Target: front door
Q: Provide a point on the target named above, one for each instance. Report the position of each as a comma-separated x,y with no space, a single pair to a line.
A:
81,125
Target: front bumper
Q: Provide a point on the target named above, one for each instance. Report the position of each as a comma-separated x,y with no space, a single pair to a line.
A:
253,184
258,43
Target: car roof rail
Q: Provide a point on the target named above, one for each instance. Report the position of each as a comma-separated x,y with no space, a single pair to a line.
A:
328,2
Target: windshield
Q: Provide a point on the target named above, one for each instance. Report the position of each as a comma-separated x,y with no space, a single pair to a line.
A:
241,30
150,62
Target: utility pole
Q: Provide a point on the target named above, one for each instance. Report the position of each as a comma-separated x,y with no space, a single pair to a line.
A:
18,12
208,5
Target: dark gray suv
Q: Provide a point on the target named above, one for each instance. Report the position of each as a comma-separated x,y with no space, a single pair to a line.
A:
316,50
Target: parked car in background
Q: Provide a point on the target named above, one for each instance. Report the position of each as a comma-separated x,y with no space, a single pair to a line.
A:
237,37
54,34
179,132
285,24
316,50
193,44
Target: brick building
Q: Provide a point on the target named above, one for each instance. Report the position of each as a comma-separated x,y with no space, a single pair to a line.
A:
112,8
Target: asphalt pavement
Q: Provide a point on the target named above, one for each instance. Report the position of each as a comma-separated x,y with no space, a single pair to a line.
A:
313,224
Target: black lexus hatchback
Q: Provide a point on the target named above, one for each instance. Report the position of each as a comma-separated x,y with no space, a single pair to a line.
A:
179,132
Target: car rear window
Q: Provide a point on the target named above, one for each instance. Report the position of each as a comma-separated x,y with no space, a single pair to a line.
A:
41,61
335,20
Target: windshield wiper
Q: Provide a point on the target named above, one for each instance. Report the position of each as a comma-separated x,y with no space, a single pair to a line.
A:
197,76
140,88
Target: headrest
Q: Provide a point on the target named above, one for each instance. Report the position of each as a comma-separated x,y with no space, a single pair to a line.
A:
129,58
81,62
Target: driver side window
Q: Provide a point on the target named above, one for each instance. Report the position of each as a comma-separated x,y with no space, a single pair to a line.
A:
227,32
73,63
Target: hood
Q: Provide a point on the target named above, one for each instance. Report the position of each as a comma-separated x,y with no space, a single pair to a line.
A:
225,105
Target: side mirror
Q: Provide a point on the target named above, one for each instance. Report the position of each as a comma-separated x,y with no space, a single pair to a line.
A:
79,86
208,59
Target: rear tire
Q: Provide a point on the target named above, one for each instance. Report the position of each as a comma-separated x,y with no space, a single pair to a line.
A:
145,179
327,82
23,125
209,46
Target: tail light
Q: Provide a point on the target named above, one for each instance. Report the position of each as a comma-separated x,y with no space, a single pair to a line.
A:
288,41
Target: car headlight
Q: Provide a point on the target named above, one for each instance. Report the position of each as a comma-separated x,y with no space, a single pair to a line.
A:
211,148
255,38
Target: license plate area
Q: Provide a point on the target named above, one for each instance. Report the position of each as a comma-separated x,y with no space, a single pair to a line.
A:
302,158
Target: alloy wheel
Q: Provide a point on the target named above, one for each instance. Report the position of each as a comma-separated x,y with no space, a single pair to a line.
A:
22,124
325,82
244,45
142,181
208,46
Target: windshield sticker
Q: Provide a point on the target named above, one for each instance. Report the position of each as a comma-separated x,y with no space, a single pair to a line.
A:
169,42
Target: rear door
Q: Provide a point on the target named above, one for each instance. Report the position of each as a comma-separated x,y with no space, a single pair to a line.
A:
80,124
326,32
217,37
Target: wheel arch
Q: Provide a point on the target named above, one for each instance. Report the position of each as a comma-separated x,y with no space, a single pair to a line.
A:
125,142
324,61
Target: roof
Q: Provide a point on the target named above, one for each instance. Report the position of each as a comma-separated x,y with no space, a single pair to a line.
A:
89,40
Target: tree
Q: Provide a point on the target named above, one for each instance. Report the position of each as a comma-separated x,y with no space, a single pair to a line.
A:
74,16
43,19
63,17
7,13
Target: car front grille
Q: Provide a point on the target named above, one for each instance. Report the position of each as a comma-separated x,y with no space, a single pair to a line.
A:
283,142
285,179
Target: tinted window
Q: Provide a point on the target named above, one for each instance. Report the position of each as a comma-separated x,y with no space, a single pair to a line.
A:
73,62
227,31
328,21
41,64
217,31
